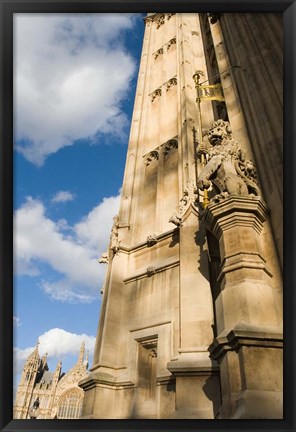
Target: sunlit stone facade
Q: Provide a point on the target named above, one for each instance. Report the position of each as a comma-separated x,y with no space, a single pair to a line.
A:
191,319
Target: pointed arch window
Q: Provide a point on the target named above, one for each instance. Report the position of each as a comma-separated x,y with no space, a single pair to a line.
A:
70,404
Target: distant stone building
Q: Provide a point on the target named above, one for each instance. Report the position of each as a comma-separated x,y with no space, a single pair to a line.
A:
191,318
43,394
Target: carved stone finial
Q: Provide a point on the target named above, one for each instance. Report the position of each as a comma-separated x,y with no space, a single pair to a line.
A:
227,169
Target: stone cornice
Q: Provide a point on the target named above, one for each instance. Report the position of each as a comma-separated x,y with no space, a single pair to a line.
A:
143,245
235,209
236,338
150,271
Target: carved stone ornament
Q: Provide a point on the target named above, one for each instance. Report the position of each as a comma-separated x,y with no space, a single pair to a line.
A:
153,155
227,169
155,94
104,258
169,15
151,239
171,42
151,271
170,83
114,243
157,53
160,21
190,196
170,145
176,219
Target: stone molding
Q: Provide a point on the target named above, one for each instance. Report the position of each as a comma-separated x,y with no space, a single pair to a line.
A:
167,45
184,367
100,379
241,210
152,270
237,338
160,151
167,85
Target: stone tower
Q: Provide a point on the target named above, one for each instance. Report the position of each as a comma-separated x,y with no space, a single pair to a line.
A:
33,369
191,315
43,394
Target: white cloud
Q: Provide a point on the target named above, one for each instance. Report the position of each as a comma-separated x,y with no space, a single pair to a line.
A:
77,275
63,196
71,74
89,230
68,344
16,321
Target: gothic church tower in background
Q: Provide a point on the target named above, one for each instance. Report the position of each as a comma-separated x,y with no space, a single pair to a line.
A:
191,317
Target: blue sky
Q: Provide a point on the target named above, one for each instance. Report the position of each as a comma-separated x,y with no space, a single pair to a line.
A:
74,87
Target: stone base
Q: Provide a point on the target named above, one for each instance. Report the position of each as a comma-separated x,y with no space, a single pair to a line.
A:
256,404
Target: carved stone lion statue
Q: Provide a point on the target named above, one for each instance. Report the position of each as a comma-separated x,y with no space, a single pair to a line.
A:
227,168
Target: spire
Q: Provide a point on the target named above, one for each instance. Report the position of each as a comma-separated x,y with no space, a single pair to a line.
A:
81,353
34,358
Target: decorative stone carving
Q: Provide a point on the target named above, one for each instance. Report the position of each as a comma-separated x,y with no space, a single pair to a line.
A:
169,15
157,53
170,83
171,42
160,21
171,144
189,197
176,219
153,155
104,258
114,243
155,94
151,271
195,33
152,239
227,169
153,353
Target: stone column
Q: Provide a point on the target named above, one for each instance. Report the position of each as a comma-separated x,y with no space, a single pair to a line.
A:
249,338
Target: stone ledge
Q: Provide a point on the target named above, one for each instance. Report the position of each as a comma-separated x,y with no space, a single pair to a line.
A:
245,335
99,379
235,210
191,367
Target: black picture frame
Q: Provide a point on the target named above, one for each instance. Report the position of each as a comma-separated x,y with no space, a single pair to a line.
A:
7,9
